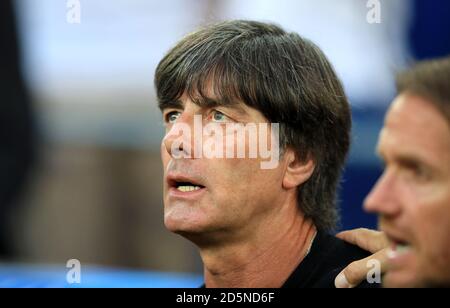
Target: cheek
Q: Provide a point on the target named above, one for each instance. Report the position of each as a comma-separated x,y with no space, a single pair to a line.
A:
241,180
431,222
418,210
234,173
256,183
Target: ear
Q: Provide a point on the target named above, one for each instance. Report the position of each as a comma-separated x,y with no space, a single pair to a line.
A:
297,171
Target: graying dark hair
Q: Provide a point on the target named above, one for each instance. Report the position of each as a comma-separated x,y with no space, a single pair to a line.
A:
284,76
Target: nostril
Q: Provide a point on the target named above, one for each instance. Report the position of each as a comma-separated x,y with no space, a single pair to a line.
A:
173,144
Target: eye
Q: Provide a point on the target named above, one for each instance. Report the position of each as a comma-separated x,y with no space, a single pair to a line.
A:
171,117
218,116
417,172
420,173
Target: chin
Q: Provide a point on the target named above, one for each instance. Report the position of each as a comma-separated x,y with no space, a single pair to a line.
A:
400,279
177,225
183,224
201,234
411,275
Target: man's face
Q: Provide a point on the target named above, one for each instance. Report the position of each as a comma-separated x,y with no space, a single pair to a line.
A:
413,195
223,198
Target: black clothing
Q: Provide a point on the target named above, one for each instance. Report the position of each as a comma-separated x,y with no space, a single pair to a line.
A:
327,258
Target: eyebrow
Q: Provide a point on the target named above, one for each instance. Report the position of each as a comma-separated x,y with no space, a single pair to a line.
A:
177,104
409,161
212,103
204,102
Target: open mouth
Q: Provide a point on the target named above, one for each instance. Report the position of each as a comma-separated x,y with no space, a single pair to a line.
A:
400,246
187,186
184,184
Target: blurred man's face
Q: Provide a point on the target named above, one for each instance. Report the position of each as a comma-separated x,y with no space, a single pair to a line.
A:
224,198
413,195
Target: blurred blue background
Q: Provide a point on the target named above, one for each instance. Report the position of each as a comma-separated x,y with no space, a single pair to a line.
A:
94,193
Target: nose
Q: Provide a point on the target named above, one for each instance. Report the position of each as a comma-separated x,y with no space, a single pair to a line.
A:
384,199
177,141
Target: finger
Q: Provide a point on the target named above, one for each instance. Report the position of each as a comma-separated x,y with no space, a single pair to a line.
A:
356,272
366,239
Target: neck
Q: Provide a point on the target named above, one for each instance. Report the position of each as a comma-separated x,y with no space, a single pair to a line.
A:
264,259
